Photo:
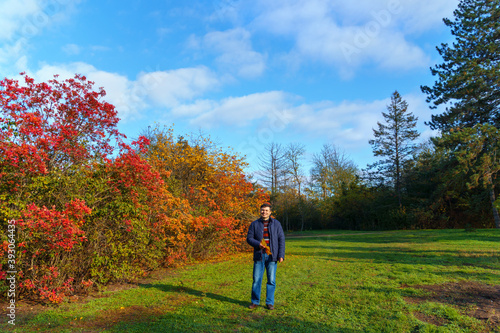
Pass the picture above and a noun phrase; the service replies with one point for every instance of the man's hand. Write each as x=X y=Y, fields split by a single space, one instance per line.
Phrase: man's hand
x=262 y=246
x=280 y=260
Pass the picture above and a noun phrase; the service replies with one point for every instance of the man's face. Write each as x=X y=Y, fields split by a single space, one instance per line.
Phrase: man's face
x=265 y=212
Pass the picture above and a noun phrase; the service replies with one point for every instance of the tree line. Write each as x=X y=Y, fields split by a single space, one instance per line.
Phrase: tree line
x=448 y=182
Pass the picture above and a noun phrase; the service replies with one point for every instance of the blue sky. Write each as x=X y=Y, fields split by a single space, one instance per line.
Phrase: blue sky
x=245 y=72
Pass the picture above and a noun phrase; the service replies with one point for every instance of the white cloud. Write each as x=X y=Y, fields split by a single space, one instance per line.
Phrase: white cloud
x=348 y=124
x=10 y=53
x=162 y=88
x=16 y=18
x=226 y=10
x=192 y=110
x=347 y=34
x=411 y=15
x=15 y=30
x=170 y=88
x=234 y=52
x=22 y=20
x=425 y=15
x=393 y=51
x=236 y=111
x=28 y=18
x=71 y=49
x=47 y=72
x=119 y=90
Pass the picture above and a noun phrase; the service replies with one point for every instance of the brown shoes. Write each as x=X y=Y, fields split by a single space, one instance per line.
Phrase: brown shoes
x=270 y=306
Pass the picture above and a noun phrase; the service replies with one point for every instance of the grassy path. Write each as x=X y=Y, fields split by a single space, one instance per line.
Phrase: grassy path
x=350 y=282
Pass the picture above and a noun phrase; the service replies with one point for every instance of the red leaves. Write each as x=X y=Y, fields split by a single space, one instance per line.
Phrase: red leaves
x=142 y=144
x=46 y=287
x=48 y=234
x=55 y=124
x=57 y=230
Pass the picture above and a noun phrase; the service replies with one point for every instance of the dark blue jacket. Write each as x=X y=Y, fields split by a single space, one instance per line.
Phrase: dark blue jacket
x=276 y=239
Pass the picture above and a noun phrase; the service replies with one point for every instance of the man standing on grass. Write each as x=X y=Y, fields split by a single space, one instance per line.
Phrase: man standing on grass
x=268 y=229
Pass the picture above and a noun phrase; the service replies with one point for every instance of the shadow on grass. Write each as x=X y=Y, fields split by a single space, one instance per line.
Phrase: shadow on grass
x=193 y=292
x=393 y=255
x=246 y=321
x=424 y=247
x=193 y=318
x=181 y=318
x=418 y=236
x=386 y=252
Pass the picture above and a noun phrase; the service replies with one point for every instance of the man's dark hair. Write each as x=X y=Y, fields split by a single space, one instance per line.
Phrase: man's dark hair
x=266 y=204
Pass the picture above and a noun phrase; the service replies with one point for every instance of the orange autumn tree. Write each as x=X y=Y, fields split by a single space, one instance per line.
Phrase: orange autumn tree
x=222 y=201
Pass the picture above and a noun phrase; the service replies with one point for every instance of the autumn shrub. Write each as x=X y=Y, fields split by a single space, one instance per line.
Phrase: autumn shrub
x=139 y=221
x=48 y=133
x=221 y=200
x=83 y=215
x=45 y=257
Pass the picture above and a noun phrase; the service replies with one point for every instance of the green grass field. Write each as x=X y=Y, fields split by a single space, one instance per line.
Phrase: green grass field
x=405 y=281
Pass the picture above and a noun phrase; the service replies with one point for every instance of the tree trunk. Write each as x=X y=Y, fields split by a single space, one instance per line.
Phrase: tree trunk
x=496 y=217
x=301 y=212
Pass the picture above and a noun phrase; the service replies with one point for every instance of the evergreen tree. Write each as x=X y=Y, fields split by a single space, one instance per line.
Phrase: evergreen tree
x=468 y=84
x=468 y=81
x=394 y=141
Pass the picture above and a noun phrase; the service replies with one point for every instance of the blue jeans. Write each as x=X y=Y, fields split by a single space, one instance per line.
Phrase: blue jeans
x=258 y=272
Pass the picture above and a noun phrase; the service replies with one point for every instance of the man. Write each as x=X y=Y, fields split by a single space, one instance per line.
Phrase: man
x=268 y=229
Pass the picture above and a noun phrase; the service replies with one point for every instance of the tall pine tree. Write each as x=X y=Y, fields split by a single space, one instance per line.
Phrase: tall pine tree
x=468 y=81
x=395 y=141
x=468 y=85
